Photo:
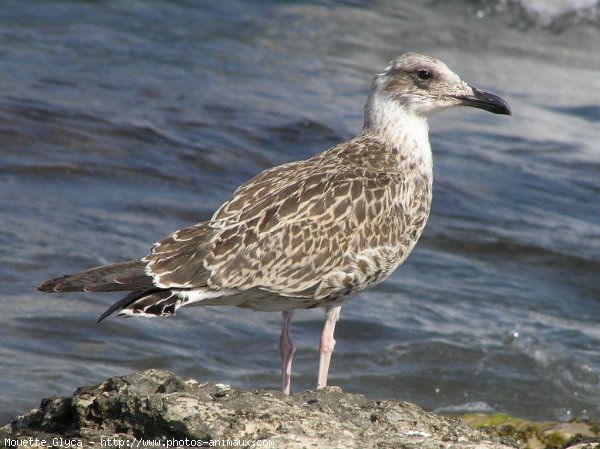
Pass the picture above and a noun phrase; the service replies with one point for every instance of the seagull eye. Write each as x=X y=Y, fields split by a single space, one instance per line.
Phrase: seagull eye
x=423 y=74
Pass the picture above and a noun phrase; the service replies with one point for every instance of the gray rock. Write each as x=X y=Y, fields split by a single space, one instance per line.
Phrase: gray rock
x=158 y=405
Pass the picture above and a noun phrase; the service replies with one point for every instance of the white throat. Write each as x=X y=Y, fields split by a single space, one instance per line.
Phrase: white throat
x=397 y=126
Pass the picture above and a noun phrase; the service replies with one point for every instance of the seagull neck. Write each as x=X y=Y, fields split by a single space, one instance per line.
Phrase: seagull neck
x=396 y=127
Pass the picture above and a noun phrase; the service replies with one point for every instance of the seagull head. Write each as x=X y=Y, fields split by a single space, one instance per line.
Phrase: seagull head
x=422 y=85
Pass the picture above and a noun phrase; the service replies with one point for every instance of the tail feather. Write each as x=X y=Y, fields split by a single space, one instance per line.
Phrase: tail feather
x=117 y=276
x=154 y=302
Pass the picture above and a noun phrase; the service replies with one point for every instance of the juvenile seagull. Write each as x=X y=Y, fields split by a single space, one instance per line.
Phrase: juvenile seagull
x=310 y=233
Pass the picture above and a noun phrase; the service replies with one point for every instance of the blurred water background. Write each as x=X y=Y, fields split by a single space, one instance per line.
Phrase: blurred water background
x=121 y=121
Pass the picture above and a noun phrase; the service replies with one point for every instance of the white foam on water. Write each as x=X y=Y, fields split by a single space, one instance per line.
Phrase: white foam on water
x=547 y=12
x=467 y=407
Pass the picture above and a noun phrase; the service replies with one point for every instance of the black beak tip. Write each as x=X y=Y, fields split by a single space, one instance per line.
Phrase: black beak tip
x=488 y=102
x=497 y=104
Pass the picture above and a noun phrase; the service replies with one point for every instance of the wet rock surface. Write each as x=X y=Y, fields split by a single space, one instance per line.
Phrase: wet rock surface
x=158 y=406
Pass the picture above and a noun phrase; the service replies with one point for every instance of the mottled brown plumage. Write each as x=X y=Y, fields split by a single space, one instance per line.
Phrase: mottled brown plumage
x=315 y=230
x=309 y=233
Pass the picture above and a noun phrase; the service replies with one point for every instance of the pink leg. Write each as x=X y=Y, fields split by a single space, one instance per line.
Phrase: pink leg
x=286 y=352
x=327 y=344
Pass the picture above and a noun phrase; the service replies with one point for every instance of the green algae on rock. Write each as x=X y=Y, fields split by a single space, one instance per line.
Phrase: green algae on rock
x=580 y=434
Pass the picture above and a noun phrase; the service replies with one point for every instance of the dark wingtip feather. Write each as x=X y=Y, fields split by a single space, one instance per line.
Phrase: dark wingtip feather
x=131 y=297
x=108 y=312
x=120 y=304
x=153 y=302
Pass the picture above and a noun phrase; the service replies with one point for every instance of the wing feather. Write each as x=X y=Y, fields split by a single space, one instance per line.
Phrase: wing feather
x=312 y=228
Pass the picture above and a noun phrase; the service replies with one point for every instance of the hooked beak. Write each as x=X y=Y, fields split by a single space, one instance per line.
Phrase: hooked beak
x=486 y=101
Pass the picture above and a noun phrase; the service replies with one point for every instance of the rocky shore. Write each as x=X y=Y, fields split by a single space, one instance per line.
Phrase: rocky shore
x=157 y=408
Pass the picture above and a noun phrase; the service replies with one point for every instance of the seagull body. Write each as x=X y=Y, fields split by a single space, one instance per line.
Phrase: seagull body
x=310 y=233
